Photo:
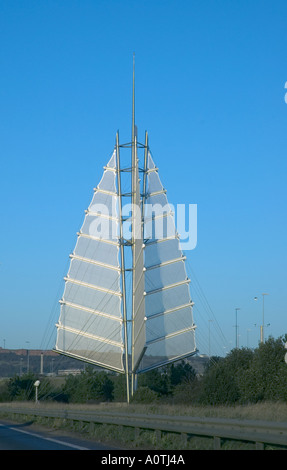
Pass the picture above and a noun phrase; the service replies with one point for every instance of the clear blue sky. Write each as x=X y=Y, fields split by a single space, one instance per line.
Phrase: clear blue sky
x=210 y=79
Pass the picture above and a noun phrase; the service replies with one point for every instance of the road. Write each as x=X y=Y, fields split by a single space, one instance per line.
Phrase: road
x=14 y=436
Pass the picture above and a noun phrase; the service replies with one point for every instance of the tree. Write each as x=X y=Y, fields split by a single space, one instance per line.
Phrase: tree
x=22 y=388
x=220 y=382
x=180 y=373
x=266 y=378
x=102 y=387
x=156 y=380
x=144 y=395
x=89 y=386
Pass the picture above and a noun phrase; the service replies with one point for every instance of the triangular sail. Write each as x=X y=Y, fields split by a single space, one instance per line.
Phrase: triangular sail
x=138 y=336
x=94 y=323
x=90 y=323
x=170 y=330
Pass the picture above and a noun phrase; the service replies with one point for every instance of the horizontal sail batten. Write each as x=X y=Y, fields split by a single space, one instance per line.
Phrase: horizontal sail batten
x=89 y=335
x=105 y=191
x=158 y=216
x=165 y=263
x=175 y=333
x=149 y=241
x=97 y=263
x=98 y=239
x=88 y=360
x=91 y=286
x=165 y=362
x=155 y=193
x=90 y=310
x=100 y=214
x=171 y=310
x=155 y=291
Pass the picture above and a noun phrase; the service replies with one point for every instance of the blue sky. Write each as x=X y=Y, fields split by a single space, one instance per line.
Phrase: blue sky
x=210 y=79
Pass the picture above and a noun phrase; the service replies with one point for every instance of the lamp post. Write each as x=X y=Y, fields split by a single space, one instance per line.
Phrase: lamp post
x=236 y=328
x=36 y=385
x=209 y=337
x=27 y=342
x=262 y=326
x=263 y=295
x=247 y=332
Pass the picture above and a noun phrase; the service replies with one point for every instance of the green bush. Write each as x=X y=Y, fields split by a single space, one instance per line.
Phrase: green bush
x=22 y=388
x=266 y=378
x=89 y=386
x=144 y=395
x=243 y=376
x=247 y=376
x=4 y=392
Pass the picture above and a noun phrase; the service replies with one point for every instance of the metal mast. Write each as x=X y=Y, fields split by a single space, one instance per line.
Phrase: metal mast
x=123 y=268
x=134 y=182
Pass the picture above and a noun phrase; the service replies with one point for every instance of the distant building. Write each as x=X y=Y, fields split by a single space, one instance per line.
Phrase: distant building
x=70 y=371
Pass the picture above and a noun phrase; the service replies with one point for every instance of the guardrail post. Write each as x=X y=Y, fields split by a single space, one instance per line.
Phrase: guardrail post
x=184 y=439
x=158 y=435
x=92 y=428
x=216 y=443
x=137 y=433
x=259 y=446
x=120 y=429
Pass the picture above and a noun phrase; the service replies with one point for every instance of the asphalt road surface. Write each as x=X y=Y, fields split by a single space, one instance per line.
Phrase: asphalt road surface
x=14 y=436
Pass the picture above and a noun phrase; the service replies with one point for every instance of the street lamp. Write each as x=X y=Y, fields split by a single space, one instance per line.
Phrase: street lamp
x=27 y=342
x=209 y=337
x=236 y=328
x=248 y=331
x=262 y=326
x=36 y=384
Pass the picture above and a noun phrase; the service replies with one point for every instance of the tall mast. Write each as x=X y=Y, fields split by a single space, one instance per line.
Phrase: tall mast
x=123 y=268
x=133 y=173
x=133 y=109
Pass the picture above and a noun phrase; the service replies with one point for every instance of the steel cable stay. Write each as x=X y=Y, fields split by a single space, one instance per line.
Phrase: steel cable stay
x=221 y=341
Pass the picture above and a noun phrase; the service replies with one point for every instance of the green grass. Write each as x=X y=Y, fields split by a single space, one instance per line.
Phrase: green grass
x=269 y=411
x=127 y=438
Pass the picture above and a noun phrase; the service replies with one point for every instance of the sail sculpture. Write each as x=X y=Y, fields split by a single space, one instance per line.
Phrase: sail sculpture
x=97 y=323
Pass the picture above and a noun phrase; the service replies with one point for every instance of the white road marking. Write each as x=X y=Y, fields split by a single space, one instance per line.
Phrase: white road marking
x=74 y=446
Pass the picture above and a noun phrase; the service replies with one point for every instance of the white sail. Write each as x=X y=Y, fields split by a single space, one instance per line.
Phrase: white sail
x=170 y=330
x=96 y=310
x=138 y=310
x=90 y=323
